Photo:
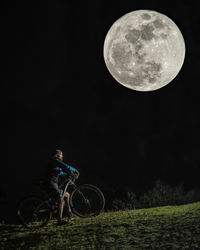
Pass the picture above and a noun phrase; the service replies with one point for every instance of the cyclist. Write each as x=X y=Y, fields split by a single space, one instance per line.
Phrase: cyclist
x=55 y=168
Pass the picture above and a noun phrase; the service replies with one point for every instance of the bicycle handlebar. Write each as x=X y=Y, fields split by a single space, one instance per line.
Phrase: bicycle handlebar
x=72 y=178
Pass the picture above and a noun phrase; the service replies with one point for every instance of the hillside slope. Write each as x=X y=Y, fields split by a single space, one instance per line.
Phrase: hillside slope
x=169 y=227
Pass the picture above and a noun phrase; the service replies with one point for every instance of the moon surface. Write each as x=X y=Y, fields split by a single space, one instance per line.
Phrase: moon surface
x=144 y=50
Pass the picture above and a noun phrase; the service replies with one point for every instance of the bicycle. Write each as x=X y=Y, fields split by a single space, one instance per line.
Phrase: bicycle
x=85 y=201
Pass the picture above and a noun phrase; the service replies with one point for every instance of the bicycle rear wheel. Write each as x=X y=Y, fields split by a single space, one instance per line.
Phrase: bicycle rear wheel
x=33 y=212
x=87 y=200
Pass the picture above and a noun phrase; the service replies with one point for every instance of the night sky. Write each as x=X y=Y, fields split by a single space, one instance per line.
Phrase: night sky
x=59 y=94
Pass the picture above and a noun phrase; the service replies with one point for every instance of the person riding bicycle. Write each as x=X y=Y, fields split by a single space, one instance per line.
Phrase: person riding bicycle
x=55 y=168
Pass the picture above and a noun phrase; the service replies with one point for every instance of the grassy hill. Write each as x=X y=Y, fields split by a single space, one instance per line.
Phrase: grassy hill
x=169 y=227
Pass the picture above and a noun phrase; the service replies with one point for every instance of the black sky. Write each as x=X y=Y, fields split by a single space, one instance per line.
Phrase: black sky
x=61 y=95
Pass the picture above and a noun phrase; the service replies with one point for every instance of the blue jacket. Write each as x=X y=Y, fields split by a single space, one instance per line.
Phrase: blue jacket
x=52 y=171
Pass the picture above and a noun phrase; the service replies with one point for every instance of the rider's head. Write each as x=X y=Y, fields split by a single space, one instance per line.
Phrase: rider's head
x=58 y=154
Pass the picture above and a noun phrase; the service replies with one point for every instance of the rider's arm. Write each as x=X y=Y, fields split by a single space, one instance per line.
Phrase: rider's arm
x=67 y=167
x=59 y=170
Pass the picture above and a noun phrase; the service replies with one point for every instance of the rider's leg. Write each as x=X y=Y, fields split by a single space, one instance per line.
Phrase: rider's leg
x=60 y=210
x=67 y=196
x=57 y=194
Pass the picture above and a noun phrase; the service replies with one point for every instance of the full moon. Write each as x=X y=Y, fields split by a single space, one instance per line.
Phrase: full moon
x=144 y=50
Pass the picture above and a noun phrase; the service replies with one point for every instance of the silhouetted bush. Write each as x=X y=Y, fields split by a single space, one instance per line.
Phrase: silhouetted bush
x=160 y=195
x=129 y=202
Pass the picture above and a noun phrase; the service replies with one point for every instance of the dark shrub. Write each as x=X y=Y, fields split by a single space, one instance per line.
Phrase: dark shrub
x=160 y=195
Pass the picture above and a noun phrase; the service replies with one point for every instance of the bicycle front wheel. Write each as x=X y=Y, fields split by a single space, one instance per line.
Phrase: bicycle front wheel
x=33 y=212
x=87 y=200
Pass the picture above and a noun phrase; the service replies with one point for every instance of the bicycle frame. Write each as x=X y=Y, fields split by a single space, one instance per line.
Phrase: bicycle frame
x=68 y=181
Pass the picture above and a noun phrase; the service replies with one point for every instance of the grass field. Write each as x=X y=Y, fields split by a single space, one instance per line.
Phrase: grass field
x=169 y=227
